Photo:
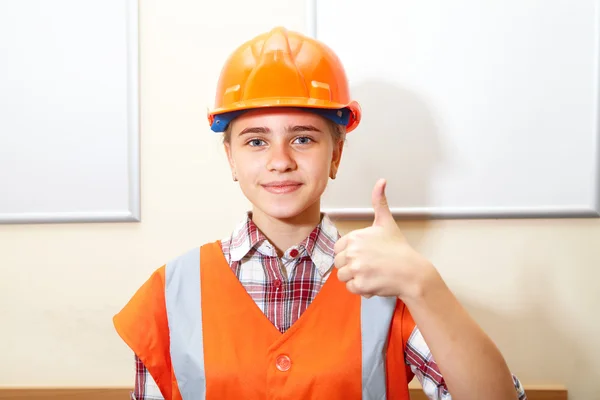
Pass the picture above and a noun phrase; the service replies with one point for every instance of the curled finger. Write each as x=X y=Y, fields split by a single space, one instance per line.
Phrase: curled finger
x=340 y=260
x=345 y=274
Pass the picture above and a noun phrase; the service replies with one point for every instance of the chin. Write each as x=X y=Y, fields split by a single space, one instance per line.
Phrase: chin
x=291 y=208
x=283 y=211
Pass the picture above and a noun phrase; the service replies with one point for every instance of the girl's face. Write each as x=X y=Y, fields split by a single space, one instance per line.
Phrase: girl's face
x=283 y=159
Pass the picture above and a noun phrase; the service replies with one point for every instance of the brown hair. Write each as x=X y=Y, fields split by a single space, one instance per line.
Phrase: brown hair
x=338 y=132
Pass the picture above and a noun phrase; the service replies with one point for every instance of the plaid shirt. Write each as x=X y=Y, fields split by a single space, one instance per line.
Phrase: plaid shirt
x=284 y=287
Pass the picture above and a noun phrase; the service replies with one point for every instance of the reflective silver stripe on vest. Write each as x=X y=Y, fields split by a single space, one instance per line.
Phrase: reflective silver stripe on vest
x=182 y=295
x=375 y=317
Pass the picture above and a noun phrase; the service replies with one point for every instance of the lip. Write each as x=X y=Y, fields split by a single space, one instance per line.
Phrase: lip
x=282 y=187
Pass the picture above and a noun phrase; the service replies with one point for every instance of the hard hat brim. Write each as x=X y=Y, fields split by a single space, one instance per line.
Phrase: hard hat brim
x=293 y=102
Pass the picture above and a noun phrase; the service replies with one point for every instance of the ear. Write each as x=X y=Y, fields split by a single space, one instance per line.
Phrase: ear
x=230 y=159
x=336 y=158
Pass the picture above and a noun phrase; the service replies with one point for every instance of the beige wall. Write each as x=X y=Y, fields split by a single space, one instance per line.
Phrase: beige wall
x=532 y=284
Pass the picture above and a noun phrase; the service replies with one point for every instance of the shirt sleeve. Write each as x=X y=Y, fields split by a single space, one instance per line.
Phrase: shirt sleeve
x=418 y=357
x=145 y=388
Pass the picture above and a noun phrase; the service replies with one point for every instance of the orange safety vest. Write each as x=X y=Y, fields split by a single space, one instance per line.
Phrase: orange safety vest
x=201 y=336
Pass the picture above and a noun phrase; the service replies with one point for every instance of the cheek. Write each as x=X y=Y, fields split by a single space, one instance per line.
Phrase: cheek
x=247 y=166
x=318 y=167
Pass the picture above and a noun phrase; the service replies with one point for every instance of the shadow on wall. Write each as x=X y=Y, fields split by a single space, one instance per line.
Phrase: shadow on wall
x=397 y=140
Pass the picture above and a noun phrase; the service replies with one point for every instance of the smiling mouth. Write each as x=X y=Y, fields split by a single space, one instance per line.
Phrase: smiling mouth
x=282 y=187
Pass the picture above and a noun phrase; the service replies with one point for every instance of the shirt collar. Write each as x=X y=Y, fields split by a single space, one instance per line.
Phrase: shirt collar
x=318 y=245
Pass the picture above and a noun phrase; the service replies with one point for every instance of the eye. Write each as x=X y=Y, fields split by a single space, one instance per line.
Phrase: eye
x=303 y=140
x=255 y=142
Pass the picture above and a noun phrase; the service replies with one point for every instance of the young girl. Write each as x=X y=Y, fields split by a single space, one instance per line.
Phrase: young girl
x=346 y=318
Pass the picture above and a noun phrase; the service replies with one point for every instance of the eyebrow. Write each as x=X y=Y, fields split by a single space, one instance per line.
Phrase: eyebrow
x=303 y=128
x=292 y=128
x=255 y=129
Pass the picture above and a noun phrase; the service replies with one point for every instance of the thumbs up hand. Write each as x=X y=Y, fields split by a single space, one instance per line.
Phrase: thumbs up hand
x=378 y=260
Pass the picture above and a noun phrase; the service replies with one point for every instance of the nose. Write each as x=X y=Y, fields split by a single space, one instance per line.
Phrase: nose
x=281 y=158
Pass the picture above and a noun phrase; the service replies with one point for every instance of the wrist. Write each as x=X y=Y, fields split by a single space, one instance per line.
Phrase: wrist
x=425 y=288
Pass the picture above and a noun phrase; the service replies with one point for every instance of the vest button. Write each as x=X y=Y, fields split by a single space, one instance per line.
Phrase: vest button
x=283 y=363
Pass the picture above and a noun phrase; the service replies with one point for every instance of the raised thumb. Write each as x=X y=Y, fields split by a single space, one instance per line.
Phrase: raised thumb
x=383 y=215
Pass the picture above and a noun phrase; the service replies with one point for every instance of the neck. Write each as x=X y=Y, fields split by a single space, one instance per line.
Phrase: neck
x=288 y=232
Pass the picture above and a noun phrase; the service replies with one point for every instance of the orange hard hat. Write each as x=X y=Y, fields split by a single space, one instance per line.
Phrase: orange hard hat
x=282 y=68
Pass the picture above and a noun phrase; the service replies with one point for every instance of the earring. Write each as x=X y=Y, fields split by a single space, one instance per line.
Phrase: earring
x=235 y=178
